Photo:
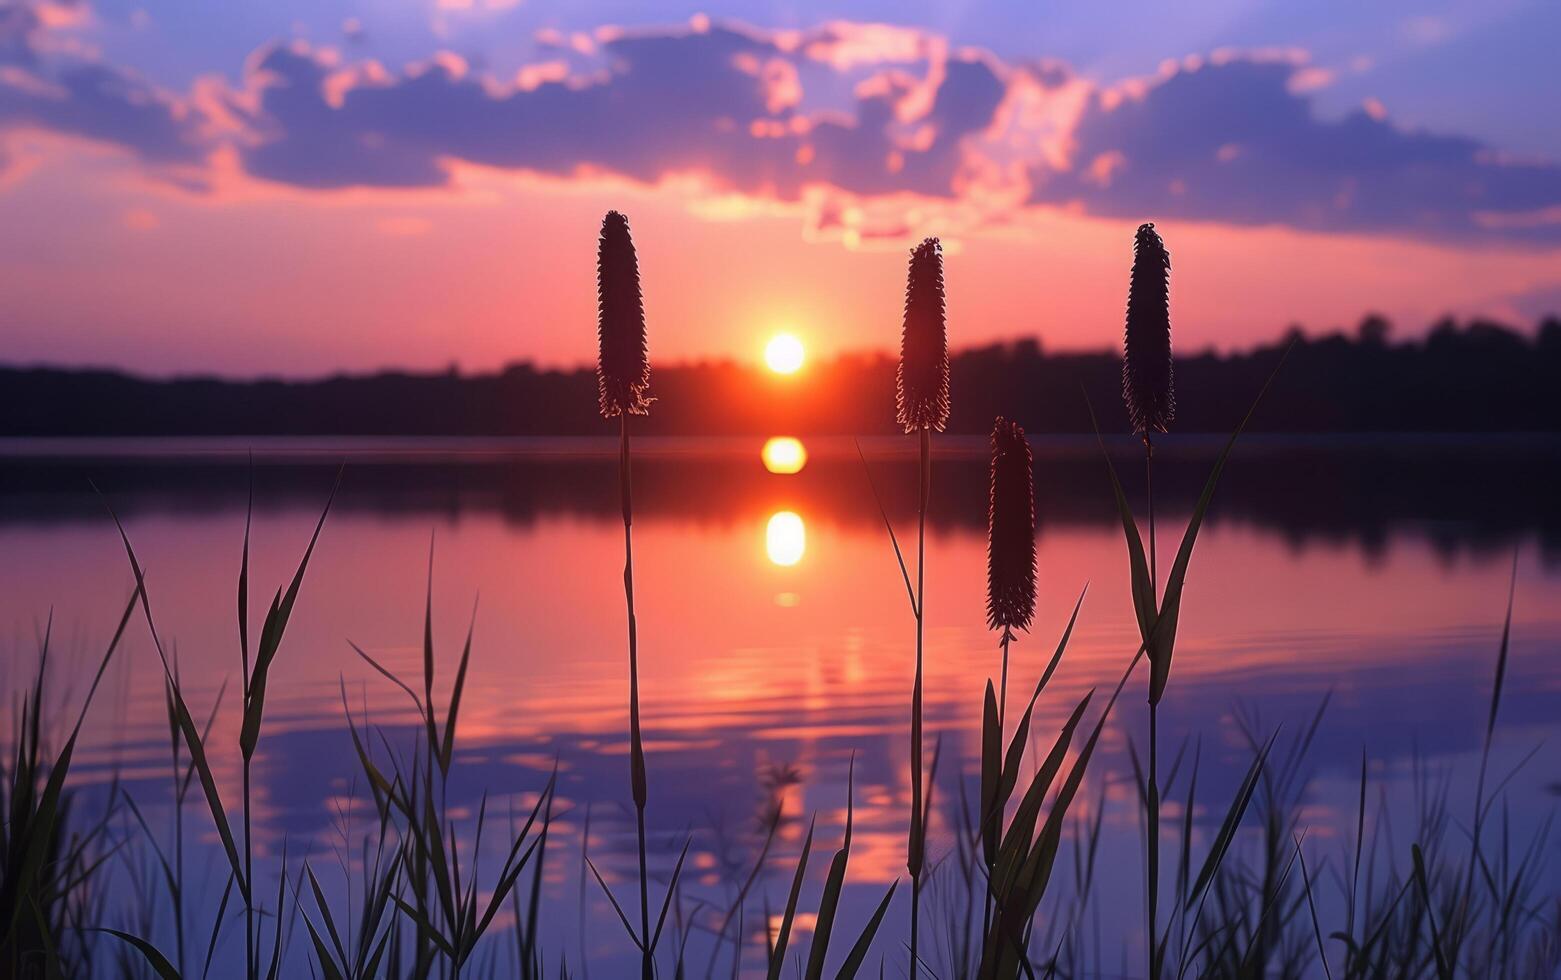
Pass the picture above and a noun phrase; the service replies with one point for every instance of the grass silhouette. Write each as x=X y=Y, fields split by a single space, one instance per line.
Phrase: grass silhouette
x=922 y=403
x=1148 y=391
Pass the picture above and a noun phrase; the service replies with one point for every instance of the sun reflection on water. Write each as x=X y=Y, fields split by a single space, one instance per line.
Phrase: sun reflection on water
x=784 y=454
x=785 y=538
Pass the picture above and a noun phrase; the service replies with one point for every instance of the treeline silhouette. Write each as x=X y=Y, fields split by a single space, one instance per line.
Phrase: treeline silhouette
x=1478 y=377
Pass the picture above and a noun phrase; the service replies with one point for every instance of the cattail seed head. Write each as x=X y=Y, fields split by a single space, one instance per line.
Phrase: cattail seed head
x=1010 y=566
x=1148 y=384
x=622 y=373
x=922 y=395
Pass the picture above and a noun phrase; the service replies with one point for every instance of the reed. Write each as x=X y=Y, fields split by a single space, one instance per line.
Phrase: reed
x=1148 y=378
x=1149 y=393
x=47 y=863
x=171 y=862
x=828 y=908
x=623 y=383
x=1010 y=592
x=922 y=400
x=426 y=878
x=255 y=676
x=1010 y=566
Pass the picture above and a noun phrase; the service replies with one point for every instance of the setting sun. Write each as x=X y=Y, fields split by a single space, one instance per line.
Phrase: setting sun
x=784 y=354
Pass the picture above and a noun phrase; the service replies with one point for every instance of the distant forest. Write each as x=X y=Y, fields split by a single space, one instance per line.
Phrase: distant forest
x=1475 y=377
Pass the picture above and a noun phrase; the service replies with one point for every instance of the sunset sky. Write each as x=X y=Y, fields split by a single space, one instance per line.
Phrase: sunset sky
x=303 y=186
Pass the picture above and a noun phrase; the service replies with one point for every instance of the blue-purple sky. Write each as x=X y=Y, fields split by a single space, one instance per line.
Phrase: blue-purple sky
x=301 y=187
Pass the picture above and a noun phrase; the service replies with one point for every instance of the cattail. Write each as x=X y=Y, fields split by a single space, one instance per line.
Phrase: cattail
x=622 y=374
x=1148 y=386
x=923 y=383
x=1010 y=568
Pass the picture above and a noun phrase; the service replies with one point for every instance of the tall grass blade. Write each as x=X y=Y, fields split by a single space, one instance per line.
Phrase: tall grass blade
x=1145 y=602
x=991 y=773
x=864 y=942
x=1171 y=604
x=37 y=831
x=192 y=737
x=271 y=635
x=243 y=584
x=829 y=902
x=216 y=926
x=1311 y=905
x=1228 y=827
x=322 y=956
x=789 y=915
x=447 y=749
x=154 y=959
x=899 y=556
x=325 y=916
x=1444 y=970
x=672 y=888
x=428 y=657
x=276 y=946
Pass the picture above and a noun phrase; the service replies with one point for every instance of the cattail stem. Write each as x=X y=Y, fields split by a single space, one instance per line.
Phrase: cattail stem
x=1002 y=706
x=1153 y=839
x=1153 y=889
x=636 y=746
x=1002 y=688
x=1154 y=575
x=918 y=832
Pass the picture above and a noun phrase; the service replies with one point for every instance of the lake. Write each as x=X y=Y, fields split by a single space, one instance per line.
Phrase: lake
x=776 y=651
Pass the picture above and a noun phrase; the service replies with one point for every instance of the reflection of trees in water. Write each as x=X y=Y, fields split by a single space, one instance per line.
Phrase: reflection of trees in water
x=1461 y=495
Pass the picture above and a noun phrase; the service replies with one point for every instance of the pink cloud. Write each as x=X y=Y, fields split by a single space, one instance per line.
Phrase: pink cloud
x=1226 y=136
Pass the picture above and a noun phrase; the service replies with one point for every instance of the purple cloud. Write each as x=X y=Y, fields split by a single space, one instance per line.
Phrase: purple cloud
x=869 y=115
x=700 y=101
x=18 y=23
x=81 y=98
x=1235 y=142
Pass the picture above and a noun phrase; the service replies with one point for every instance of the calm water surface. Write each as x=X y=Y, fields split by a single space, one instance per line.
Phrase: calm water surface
x=776 y=641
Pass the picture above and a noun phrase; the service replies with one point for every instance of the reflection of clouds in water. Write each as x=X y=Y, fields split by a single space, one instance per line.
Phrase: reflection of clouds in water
x=785 y=538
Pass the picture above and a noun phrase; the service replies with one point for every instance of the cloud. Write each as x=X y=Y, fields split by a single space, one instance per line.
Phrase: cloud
x=720 y=103
x=18 y=24
x=104 y=105
x=76 y=96
x=1234 y=141
x=876 y=130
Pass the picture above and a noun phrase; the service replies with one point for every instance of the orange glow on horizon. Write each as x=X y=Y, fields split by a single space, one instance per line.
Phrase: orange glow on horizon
x=456 y=257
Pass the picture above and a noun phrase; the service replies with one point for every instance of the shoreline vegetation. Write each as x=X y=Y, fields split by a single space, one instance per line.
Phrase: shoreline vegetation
x=1479 y=376
x=415 y=893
